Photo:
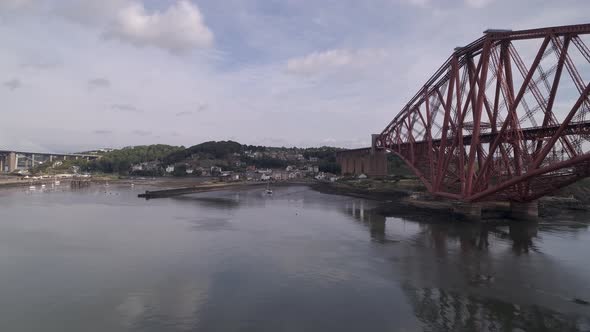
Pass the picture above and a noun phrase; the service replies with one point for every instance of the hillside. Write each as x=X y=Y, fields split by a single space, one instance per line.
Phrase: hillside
x=153 y=160
x=116 y=161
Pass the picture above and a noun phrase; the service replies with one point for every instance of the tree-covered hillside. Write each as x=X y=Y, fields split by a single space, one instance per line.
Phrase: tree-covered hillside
x=211 y=149
x=116 y=161
x=229 y=155
x=120 y=161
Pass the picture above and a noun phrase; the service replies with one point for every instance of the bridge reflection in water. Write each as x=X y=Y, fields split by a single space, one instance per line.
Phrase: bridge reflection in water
x=440 y=310
x=469 y=236
x=477 y=276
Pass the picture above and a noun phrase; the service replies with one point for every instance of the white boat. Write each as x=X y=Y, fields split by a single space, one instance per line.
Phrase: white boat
x=57 y=183
x=268 y=191
x=32 y=187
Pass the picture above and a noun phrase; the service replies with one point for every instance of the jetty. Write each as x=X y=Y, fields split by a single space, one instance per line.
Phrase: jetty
x=150 y=194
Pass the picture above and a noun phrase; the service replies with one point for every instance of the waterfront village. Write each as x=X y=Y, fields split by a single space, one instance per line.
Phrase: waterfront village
x=224 y=161
x=299 y=167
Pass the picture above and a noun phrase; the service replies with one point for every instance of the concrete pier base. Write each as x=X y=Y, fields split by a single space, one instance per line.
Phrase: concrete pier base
x=524 y=211
x=467 y=211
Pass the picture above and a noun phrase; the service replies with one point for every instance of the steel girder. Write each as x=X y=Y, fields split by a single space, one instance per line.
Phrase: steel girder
x=487 y=125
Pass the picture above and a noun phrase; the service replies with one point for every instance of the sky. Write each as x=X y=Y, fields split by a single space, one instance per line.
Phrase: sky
x=83 y=74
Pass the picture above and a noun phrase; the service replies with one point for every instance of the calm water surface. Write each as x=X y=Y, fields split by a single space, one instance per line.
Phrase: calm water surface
x=100 y=259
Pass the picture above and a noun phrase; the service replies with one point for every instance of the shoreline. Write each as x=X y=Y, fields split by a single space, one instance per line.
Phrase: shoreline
x=398 y=197
x=22 y=182
x=401 y=201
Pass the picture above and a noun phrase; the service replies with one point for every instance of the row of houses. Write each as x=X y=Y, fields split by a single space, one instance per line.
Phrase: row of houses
x=267 y=175
x=249 y=173
x=281 y=155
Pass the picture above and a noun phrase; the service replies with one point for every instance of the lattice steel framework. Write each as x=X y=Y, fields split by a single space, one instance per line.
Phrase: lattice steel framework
x=505 y=117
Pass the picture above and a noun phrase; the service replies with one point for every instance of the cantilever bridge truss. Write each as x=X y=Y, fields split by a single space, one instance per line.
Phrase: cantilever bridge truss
x=505 y=117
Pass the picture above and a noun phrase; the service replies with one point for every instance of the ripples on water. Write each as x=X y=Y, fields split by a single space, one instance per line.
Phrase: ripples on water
x=100 y=259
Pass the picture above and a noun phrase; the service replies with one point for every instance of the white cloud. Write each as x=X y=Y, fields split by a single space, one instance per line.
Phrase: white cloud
x=321 y=61
x=478 y=3
x=14 y=4
x=99 y=82
x=89 y=12
x=419 y=3
x=429 y=3
x=125 y=108
x=39 y=64
x=13 y=84
x=177 y=29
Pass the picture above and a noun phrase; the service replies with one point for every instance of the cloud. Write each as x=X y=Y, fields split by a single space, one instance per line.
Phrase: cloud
x=125 y=108
x=418 y=3
x=88 y=12
x=102 y=132
x=96 y=83
x=202 y=108
x=13 y=84
x=478 y=3
x=14 y=4
x=317 y=62
x=140 y=132
x=177 y=29
x=39 y=65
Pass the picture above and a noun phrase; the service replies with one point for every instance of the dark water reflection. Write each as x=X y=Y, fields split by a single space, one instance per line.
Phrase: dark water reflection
x=102 y=260
x=488 y=277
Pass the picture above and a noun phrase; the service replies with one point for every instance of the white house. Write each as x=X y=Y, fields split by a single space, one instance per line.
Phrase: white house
x=320 y=176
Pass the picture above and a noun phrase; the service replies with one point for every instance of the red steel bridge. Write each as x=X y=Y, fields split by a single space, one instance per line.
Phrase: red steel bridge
x=504 y=118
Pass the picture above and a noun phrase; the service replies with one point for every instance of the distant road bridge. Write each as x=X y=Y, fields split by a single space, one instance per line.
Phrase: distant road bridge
x=11 y=160
x=504 y=118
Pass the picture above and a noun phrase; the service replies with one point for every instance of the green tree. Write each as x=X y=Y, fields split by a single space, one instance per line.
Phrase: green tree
x=179 y=170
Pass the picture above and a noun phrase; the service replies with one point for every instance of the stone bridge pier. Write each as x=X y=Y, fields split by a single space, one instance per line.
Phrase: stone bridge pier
x=369 y=161
x=528 y=211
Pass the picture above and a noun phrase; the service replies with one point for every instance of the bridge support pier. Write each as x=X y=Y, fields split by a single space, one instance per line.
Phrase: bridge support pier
x=368 y=161
x=467 y=211
x=524 y=210
x=12 y=161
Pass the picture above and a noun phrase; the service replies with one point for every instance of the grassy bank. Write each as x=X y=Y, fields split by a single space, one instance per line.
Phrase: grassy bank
x=385 y=188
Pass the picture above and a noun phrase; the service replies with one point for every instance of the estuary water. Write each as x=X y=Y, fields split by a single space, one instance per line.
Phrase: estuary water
x=101 y=259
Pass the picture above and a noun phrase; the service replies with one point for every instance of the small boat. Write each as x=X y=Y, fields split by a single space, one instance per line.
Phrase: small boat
x=268 y=191
x=57 y=183
x=32 y=187
x=43 y=186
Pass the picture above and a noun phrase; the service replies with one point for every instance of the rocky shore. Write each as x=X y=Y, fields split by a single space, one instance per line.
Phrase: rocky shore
x=409 y=196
